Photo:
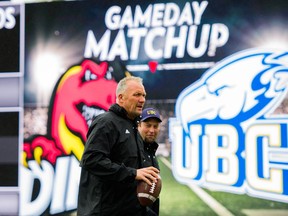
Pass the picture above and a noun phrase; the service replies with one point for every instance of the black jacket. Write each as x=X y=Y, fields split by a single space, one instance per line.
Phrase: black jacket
x=150 y=155
x=150 y=159
x=113 y=152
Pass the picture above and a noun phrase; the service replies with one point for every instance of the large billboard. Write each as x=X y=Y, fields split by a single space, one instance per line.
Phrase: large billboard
x=221 y=65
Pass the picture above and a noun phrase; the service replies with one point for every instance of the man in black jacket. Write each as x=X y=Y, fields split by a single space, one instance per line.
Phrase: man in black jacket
x=113 y=157
x=149 y=128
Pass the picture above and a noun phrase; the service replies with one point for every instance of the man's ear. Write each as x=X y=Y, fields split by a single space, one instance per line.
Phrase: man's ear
x=120 y=97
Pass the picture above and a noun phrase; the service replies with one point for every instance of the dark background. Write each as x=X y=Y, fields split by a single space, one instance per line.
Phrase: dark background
x=9 y=149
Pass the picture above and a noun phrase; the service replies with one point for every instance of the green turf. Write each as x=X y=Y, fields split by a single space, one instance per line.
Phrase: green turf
x=235 y=203
x=179 y=200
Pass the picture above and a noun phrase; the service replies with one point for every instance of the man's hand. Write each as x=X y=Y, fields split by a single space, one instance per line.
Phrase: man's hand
x=148 y=174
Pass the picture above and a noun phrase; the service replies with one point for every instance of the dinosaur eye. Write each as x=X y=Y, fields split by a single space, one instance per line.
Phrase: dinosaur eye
x=89 y=75
x=92 y=76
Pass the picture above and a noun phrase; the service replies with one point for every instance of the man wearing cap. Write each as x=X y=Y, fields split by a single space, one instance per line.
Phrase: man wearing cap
x=149 y=127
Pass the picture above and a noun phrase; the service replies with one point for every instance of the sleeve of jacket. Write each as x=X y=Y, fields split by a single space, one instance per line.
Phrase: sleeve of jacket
x=96 y=156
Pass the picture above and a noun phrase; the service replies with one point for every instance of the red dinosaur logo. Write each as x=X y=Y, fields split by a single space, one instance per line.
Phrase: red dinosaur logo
x=81 y=93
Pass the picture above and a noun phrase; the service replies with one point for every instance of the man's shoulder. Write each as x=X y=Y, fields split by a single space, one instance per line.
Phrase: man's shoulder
x=103 y=121
x=109 y=117
x=104 y=118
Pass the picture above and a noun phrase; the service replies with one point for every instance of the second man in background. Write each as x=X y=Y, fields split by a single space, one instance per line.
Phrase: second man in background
x=149 y=128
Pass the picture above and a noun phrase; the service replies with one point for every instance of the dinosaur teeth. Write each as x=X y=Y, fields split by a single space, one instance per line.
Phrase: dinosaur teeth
x=89 y=112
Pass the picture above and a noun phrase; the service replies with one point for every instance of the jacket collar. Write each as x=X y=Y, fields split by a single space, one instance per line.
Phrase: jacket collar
x=116 y=108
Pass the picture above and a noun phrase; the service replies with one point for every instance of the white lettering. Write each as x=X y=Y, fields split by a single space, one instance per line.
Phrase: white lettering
x=157 y=18
x=156 y=15
x=94 y=49
x=59 y=188
x=191 y=43
x=7 y=19
x=186 y=16
x=223 y=166
x=45 y=174
x=172 y=41
x=188 y=167
x=219 y=37
x=136 y=35
x=73 y=184
x=148 y=44
x=266 y=136
x=171 y=14
x=127 y=19
x=11 y=21
x=112 y=17
x=198 y=11
x=143 y=18
x=119 y=47
x=160 y=41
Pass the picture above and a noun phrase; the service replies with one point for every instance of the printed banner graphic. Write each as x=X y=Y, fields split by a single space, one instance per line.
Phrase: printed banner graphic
x=226 y=136
x=219 y=78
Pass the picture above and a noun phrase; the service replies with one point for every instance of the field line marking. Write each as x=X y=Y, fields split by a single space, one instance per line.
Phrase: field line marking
x=166 y=162
x=205 y=197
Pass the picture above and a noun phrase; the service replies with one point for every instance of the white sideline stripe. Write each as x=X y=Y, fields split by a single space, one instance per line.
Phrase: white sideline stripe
x=265 y=212
x=210 y=201
x=205 y=197
x=166 y=162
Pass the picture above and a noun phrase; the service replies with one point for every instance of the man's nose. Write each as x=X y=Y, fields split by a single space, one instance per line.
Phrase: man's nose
x=142 y=99
x=152 y=130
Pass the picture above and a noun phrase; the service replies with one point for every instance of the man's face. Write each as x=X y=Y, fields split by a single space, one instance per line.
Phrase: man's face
x=149 y=129
x=133 y=99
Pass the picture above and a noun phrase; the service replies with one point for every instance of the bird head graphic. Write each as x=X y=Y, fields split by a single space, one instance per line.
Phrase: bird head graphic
x=247 y=85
